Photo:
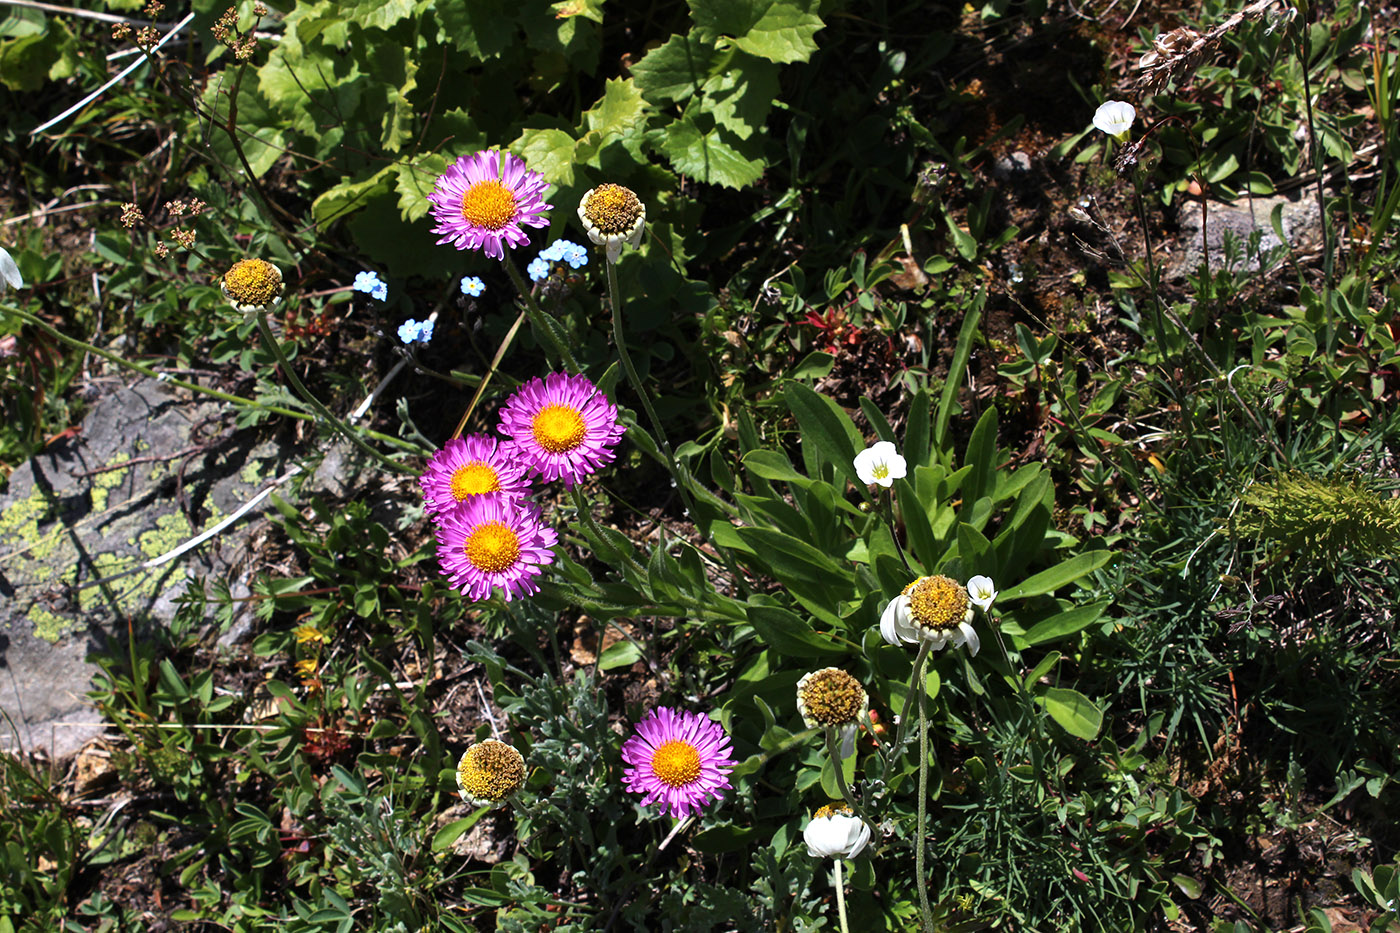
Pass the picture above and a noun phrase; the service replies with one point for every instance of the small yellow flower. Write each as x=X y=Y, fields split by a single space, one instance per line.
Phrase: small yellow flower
x=253 y=285
x=306 y=668
x=613 y=215
x=307 y=634
x=489 y=772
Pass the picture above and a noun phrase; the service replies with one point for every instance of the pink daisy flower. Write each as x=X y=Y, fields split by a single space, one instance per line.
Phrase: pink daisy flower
x=476 y=206
x=561 y=427
x=468 y=467
x=494 y=541
x=678 y=758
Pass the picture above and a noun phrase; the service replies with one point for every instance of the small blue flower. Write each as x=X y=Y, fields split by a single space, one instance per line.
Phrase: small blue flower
x=554 y=252
x=472 y=286
x=380 y=291
x=412 y=331
x=538 y=269
x=368 y=282
x=576 y=256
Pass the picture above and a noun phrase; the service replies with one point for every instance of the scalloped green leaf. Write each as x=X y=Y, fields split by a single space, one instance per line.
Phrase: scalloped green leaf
x=707 y=156
x=674 y=70
x=778 y=30
x=549 y=152
x=619 y=111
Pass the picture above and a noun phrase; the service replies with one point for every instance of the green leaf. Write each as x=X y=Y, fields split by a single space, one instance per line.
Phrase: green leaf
x=619 y=654
x=792 y=560
x=549 y=152
x=788 y=633
x=674 y=70
x=1075 y=712
x=482 y=28
x=1064 y=624
x=349 y=196
x=707 y=155
x=619 y=111
x=740 y=97
x=380 y=14
x=773 y=464
x=778 y=30
x=826 y=428
x=1047 y=581
x=416 y=181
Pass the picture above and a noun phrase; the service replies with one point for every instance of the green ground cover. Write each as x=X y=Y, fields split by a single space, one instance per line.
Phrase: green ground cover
x=1114 y=613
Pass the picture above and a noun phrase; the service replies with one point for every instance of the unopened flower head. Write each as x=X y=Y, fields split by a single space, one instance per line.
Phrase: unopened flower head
x=936 y=609
x=468 y=467
x=830 y=697
x=880 y=463
x=678 y=759
x=835 y=832
x=494 y=542
x=561 y=427
x=489 y=772
x=482 y=201
x=253 y=285
x=613 y=215
x=1115 y=117
x=982 y=592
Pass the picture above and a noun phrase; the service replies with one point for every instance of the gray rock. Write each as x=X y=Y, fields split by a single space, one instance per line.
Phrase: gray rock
x=76 y=527
x=1298 y=218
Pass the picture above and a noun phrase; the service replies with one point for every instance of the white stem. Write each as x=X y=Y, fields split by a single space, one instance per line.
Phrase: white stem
x=840 y=898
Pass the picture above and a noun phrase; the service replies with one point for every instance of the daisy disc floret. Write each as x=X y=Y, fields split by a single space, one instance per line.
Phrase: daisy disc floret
x=482 y=201
x=494 y=542
x=936 y=609
x=880 y=463
x=613 y=215
x=561 y=427
x=252 y=285
x=1115 y=117
x=830 y=697
x=468 y=467
x=835 y=832
x=678 y=759
x=489 y=772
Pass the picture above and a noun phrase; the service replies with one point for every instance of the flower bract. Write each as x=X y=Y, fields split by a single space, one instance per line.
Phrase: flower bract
x=468 y=467
x=482 y=201
x=936 y=609
x=561 y=427
x=494 y=542
x=613 y=215
x=252 y=285
x=678 y=759
x=835 y=832
x=489 y=772
x=880 y=463
x=1115 y=117
x=9 y=272
x=982 y=592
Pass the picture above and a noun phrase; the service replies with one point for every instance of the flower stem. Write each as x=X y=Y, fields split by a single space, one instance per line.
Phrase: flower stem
x=837 y=763
x=920 y=880
x=537 y=319
x=315 y=403
x=495 y=360
x=840 y=886
x=901 y=728
x=681 y=475
x=887 y=508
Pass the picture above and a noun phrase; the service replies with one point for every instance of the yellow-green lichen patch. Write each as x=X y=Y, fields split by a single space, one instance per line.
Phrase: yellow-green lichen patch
x=48 y=625
x=109 y=564
x=170 y=532
x=104 y=483
x=19 y=527
x=250 y=473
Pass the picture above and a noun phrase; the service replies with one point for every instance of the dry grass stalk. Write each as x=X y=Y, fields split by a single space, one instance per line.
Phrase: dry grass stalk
x=1176 y=54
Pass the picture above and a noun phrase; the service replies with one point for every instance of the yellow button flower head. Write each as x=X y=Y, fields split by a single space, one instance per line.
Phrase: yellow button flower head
x=489 y=772
x=613 y=215
x=936 y=609
x=253 y=285
x=832 y=698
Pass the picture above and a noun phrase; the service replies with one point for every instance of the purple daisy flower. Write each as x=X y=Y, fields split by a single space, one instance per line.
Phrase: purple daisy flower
x=494 y=541
x=468 y=467
x=561 y=427
x=477 y=206
x=680 y=759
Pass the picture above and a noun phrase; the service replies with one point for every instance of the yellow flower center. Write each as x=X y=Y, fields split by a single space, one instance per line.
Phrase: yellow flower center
x=253 y=282
x=831 y=810
x=473 y=479
x=676 y=763
x=491 y=770
x=559 y=428
x=938 y=602
x=488 y=204
x=881 y=470
x=613 y=209
x=493 y=547
x=831 y=697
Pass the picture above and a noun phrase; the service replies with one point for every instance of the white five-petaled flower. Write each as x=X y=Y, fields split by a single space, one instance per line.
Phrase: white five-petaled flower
x=834 y=832
x=936 y=609
x=1115 y=117
x=880 y=463
x=982 y=592
x=9 y=272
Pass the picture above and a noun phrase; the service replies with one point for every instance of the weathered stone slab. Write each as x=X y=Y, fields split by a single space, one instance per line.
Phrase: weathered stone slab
x=149 y=470
x=1298 y=217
